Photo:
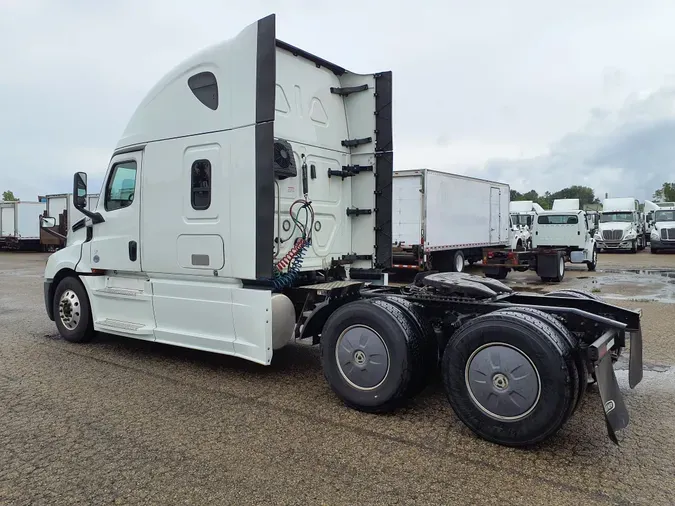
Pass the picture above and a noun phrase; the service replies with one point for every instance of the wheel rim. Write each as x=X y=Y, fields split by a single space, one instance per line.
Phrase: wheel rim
x=502 y=381
x=561 y=266
x=69 y=309
x=459 y=263
x=362 y=357
x=595 y=256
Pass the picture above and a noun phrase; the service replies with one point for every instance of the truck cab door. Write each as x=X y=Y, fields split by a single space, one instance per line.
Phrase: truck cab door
x=115 y=242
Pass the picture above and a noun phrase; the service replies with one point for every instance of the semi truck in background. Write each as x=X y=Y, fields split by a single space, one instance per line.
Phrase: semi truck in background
x=663 y=228
x=278 y=166
x=523 y=213
x=649 y=209
x=20 y=225
x=441 y=220
x=621 y=225
x=61 y=207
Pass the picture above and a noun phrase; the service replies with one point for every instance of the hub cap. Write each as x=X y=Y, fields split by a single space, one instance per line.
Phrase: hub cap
x=69 y=309
x=459 y=263
x=502 y=381
x=561 y=266
x=362 y=357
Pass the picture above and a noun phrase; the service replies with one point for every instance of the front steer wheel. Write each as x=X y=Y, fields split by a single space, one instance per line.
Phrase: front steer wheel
x=72 y=312
x=511 y=378
x=373 y=355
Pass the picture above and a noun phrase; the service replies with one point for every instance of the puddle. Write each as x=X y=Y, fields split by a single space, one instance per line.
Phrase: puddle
x=637 y=285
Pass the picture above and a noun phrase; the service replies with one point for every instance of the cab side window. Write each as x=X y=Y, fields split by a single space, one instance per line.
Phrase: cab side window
x=121 y=186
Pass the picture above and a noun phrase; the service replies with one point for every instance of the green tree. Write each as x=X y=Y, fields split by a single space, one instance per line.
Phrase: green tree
x=666 y=193
x=8 y=196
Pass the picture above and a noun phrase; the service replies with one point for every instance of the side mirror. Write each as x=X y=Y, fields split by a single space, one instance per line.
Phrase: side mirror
x=80 y=190
x=47 y=222
x=529 y=221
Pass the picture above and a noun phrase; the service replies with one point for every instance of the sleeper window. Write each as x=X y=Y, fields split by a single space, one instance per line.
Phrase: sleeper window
x=200 y=185
x=205 y=88
x=121 y=186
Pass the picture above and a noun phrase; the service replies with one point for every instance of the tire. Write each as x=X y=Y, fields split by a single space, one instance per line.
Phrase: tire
x=594 y=260
x=390 y=334
x=428 y=340
x=561 y=270
x=633 y=247
x=501 y=273
x=573 y=294
x=458 y=261
x=519 y=245
x=653 y=250
x=533 y=346
x=72 y=311
x=580 y=367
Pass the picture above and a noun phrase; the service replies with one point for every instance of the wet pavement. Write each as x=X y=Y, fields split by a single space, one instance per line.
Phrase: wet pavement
x=130 y=422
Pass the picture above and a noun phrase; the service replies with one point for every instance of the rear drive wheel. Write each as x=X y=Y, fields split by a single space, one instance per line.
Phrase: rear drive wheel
x=510 y=378
x=579 y=366
x=594 y=260
x=458 y=261
x=426 y=337
x=560 y=275
x=72 y=312
x=371 y=355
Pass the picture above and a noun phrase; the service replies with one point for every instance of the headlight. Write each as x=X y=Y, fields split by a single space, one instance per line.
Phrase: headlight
x=597 y=237
x=630 y=235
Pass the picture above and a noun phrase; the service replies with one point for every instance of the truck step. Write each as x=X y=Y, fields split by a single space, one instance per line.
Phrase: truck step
x=110 y=291
x=112 y=325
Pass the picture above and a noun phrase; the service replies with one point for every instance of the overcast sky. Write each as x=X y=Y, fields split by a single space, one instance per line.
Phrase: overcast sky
x=536 y=94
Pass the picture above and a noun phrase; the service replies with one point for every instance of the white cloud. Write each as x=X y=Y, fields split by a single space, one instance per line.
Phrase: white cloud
x=473 y=81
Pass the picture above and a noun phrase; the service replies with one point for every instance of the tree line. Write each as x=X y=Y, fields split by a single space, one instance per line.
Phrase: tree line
x=585 y=195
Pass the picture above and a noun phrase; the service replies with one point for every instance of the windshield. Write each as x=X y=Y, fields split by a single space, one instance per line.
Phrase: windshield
x=519 y=219
x=610 y=217
x=560 y=219
x=664 y=216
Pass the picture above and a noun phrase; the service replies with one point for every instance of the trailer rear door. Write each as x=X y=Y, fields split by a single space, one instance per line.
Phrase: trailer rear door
x=408 y=193
x=495 y=214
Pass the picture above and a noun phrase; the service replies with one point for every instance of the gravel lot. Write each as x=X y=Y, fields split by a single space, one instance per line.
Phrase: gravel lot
x=124 y=421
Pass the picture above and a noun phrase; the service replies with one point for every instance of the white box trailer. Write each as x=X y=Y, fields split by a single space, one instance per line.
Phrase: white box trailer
x=61 y=207
x=440 y=220
x=20 y=224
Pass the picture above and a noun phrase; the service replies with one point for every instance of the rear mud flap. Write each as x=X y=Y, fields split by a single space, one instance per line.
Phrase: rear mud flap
x=614 y=407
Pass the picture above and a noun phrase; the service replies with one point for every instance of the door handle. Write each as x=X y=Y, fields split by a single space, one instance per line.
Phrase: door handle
x=133 y=249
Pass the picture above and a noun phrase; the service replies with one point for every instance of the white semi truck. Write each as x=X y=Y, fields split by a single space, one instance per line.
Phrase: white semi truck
x=441 y=220
x=558 y=236
x=523 y=214
x=278 y=165
x=622 y=226
x=19 y=224
x=663 y=231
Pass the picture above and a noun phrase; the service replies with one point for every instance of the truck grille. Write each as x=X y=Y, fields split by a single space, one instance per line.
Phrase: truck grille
x=612 y=235
x=668 y=234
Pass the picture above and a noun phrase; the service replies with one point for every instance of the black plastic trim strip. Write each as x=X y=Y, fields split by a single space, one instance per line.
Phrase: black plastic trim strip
x=78 y=224
x=319 y=62
x=264 y=146
x=384 y=169
x=129 y=149
x=348 y=90
x=351 y=143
